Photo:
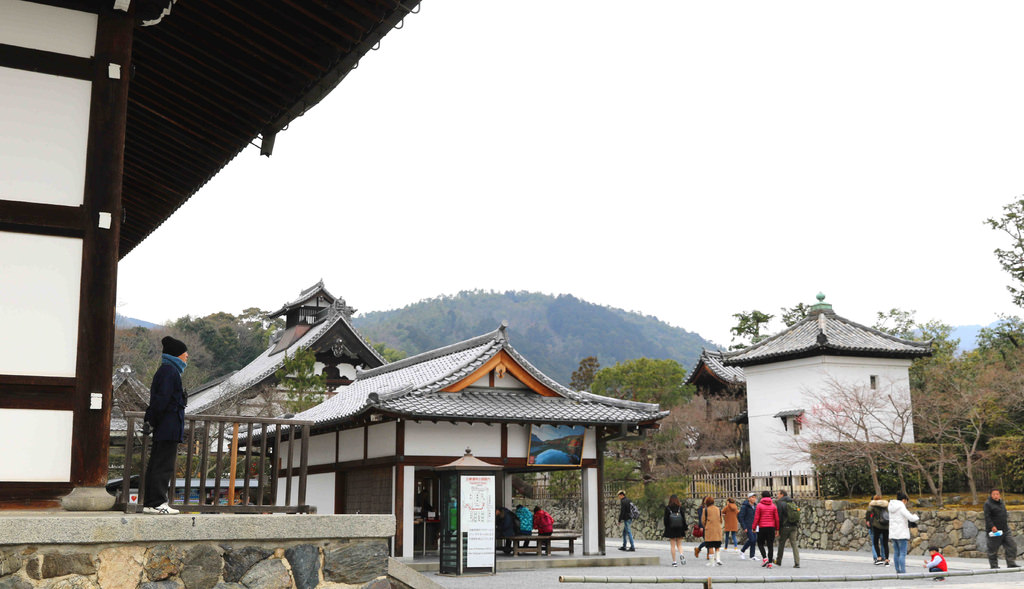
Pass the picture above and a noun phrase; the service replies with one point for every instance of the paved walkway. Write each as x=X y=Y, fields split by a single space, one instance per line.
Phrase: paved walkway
x=812 y=562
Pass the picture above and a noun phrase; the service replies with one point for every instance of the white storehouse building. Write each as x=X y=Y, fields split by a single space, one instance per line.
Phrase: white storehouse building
x=796 y=379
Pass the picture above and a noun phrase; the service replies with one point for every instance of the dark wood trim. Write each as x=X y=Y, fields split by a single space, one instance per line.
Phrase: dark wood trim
x=428 y=461
x=399 y=482
x=400 y=439
x=27 y=398
x=601 y=446
x=42 y=219
x=32 y=495
x=366 y=442
x=56 y=382
x=340 y=480
x=103 y=182
x=504 y=443
x=47 y=62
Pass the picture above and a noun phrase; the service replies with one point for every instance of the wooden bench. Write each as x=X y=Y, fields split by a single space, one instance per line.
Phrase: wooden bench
x=545 y=541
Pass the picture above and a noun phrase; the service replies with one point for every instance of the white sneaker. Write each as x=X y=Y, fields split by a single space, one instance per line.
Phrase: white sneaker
x=718 y=563
x=682 y=560
x=743 y=556
x=164 y=509
x=675 y=564
x=710 y=564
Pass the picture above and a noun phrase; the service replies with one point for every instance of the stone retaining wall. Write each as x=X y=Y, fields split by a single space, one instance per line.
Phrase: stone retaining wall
x=112 y=551
x=264 y=565
x=839 y=525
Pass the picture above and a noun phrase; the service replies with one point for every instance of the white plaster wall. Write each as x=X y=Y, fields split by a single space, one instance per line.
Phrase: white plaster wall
x=346 y=371
x=321 y=449
x=40 y=280
x=448 y=439
x=408 y=511
x=350 y=445
x=44 y=132
x=506 y=382
x=37 y=445
x=319 y=492
x=780 y=386
x=590 y=444
x=591 y=505
x=35 y=26
x=518 y=441
x=381 y=440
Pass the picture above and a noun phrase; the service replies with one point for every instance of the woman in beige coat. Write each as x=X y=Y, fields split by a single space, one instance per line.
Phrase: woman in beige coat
x=712 y=523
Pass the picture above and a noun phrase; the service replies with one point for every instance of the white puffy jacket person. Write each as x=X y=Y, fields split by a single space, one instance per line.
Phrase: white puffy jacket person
x=899 y=530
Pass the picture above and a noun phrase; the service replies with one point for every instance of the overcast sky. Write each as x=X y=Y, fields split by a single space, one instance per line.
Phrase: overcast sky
x=686 y=160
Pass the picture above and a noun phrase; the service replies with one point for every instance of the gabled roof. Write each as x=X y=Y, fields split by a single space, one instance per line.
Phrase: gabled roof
x=305 y=296
x=823 y=333
x=262 y=369
x=437 y=385
x=710 y=362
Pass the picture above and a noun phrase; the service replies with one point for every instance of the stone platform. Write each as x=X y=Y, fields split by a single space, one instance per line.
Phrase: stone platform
x=199 y=551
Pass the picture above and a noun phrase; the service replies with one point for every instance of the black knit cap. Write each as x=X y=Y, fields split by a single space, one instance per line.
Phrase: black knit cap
x=173 y=347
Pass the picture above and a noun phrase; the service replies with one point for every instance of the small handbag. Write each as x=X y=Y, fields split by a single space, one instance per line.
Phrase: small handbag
x=698 y=532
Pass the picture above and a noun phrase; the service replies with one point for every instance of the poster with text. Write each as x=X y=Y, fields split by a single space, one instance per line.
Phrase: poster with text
x=477 y=518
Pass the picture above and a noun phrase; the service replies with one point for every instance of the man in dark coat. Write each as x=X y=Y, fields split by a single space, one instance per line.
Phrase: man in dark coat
x=746 y=518
x=626 y=517
x=998 y=529
x=166 y=416
x=505 y=522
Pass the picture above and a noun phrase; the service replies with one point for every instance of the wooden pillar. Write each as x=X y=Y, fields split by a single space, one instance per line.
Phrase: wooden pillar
x=102 y=205
x=602 y=445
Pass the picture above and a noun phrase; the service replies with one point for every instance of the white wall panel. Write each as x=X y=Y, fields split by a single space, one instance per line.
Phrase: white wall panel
x=380 y=441
x=448 y=439
x=351 y=445
x=40 y=280
x=44 y=132
x=319 y=492
x=35 y=26
x=321 y=449
x=37 y=445
x=518 y=441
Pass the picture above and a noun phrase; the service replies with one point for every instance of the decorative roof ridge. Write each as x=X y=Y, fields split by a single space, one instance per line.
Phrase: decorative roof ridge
x=579 y=396
x=497 y=335
x=307 y=339
x=304 y=296
x=728 y=356
x=888 y=336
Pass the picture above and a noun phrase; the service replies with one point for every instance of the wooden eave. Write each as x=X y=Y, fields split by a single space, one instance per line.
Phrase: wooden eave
x=214 y=77
x=502 y=363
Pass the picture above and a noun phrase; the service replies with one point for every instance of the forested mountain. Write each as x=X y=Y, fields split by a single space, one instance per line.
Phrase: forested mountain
x=554 y=333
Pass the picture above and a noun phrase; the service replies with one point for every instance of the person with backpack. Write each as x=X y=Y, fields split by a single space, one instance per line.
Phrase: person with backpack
x=545 y=525
x=789 y=520
x=626 y=511
x=877 y=521
x=675 y=529
x=525 y=519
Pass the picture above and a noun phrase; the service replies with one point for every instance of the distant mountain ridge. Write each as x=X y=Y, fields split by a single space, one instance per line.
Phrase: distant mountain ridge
x=553 y=332
x=122 y=322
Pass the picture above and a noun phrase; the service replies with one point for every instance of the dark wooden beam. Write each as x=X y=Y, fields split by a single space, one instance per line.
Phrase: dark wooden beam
x=42 y=219
x=103 y=181
x=46 y=62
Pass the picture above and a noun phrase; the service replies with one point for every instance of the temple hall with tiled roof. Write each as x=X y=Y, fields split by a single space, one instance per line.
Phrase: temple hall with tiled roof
x=791 y=375
x=395 y=423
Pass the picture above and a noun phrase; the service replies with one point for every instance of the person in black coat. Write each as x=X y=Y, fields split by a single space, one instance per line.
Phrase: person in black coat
x=675 y=529
x=505 y=522
x=166 y=417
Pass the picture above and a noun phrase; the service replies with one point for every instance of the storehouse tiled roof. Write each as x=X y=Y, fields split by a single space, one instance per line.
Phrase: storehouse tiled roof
x=712 y=360
x=823 y=333
x=413 y=387
x=266 y=364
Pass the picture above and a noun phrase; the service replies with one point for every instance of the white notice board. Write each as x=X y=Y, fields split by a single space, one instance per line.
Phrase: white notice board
x=477 y=518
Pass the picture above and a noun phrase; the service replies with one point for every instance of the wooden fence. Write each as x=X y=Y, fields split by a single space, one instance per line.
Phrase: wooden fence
x=801 y=484
x=229 y=465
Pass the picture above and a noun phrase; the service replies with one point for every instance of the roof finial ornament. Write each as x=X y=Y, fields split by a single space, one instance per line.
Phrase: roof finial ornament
x=468 y=451
x=821 y=306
